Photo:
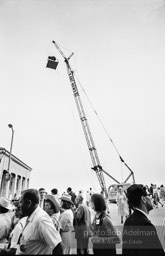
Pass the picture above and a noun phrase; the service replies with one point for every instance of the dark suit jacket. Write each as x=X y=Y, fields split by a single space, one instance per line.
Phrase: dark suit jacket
x=140 y=236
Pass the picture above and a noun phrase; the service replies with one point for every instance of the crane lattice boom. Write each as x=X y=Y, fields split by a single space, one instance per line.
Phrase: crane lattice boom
x=88 y=136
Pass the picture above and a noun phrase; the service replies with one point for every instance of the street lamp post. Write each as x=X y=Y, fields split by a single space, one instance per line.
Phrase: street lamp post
x=11 y=145
x=8 y=175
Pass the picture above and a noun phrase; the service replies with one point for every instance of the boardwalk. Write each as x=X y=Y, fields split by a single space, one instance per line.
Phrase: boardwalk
x=157 y=217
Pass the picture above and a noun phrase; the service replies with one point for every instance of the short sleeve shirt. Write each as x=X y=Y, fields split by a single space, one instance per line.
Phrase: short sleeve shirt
x=66 y=219
x=5 y=225
x=39 y=234
x=17 y=231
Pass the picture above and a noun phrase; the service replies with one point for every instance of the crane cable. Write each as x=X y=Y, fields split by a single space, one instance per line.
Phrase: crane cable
x=121 y=159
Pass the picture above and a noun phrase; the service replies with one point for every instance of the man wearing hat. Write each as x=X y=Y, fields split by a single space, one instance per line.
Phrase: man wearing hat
x=139 y=234
x=5 y=219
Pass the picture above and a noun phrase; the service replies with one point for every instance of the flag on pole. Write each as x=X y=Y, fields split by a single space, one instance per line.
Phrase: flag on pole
x=52 y=62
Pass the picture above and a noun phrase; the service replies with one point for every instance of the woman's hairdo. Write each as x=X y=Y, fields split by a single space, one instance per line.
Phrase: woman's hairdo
x=99 y=202
x=51 y=204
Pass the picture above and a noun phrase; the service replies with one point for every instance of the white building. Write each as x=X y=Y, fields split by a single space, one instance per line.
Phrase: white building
x=19 y=175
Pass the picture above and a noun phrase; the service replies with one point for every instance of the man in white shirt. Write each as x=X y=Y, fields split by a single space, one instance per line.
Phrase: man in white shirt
x=42 y=193
x=39 y=235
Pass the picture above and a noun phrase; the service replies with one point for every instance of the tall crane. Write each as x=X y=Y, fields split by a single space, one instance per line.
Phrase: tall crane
x=88 y=136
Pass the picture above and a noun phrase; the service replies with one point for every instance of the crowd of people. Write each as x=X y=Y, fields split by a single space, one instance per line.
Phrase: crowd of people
x=45 y=223
x=157 y=194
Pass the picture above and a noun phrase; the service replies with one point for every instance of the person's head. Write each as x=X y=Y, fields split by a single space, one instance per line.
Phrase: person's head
x=51 y=205
x=98 y=203
x=29 y=201
x=79 y=200
x=41 y=192
x=18 y=211
x=138 y=197
x=66 y=202
x=69 y=189
x=161 y=187
x=5 y=205
x=120 y=189
x=54 y=191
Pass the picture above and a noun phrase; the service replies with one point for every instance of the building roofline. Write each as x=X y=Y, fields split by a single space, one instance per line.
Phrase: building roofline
x=14 y=158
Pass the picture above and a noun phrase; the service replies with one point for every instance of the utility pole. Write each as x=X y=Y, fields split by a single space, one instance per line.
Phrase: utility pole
x=7 y=174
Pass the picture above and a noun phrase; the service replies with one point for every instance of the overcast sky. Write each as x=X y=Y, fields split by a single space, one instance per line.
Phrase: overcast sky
x=119 y=60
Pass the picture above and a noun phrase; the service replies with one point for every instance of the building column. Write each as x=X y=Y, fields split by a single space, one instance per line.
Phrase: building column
x=12 y=175
x=3 y=185
x=25 y=187
x=23 y=184
x=19 y=186
x=14 y=186
x=27 y=183
x=6 y=192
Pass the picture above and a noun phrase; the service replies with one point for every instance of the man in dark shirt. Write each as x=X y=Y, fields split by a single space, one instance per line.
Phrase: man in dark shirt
x=151 y=189
x=72 y=194
x=82 y=224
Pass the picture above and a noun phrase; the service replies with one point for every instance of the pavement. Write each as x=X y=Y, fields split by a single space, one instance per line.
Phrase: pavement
x=157 y=217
